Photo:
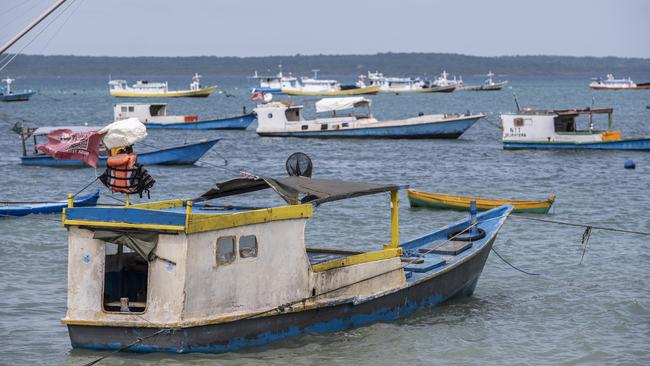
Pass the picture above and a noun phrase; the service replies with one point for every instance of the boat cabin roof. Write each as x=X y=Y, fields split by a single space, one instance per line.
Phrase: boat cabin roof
x=339 y=104
x=564 y=112
x=294 y=189
x=147 y=104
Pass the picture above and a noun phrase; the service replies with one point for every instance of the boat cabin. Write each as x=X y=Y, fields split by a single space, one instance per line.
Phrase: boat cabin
x=182 y=263
x=343 y=113
x=548 y=126
x=146 y=113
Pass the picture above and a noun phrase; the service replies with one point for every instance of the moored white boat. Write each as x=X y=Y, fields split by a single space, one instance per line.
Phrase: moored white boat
x=558 y=129
x=488 y=85
x=399 y=84
x=323 y=87
x=273 y=84
x=611 y=83
x=284 y=119
x=154 y=116
x=7 y=94
x=146 y=89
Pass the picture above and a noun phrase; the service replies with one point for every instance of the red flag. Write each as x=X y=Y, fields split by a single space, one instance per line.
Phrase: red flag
x=66 y=144
x=257 y=95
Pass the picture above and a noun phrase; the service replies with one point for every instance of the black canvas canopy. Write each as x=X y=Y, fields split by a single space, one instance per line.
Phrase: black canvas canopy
x=292 y=188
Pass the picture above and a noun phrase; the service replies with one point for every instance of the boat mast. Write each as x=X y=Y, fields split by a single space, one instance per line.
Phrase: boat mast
x=31 y=26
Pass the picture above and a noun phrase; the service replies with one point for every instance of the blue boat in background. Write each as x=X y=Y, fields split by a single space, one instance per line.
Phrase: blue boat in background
x=24 y=209
x=8 y=95
x=186 y=154
x=154 y=116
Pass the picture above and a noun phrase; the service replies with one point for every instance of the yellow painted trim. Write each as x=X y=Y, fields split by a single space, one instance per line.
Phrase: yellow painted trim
x=481 y=203
x=172 y=94
x=124 y=225
x=394 y=219
x=70 y=200
x=197 y=223
x=158 y=205
x=357 y=259
x=367 y=90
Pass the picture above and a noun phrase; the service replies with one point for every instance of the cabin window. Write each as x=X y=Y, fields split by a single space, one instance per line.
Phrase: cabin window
x=304 y=127
x=126 y=275
x=519 y=122
x=565 y=124
x=225 y=249
x=345 y=124
x=248 y=246
x=323 y=126
x=292 y=115
x=131 y=109
x=124 y=109
x=270 y=115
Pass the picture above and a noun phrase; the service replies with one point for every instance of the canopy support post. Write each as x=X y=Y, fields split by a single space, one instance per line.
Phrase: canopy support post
x=609 y=121
x=70 y=200
x=394 y=219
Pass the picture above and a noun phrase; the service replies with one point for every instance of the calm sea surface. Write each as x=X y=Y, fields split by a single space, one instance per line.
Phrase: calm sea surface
x=597 y=312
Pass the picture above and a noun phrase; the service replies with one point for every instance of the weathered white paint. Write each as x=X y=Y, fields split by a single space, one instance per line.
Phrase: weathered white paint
x=198 y=290
x=540 y=127
x=280 y=117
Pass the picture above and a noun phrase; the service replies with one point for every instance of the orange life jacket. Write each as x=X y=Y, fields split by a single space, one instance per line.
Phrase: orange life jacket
x=121 y=169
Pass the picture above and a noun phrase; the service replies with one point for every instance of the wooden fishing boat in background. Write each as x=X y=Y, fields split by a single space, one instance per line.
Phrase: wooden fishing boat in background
x=186 y=276
x=282 y=119
x=154 y=116
x=146 y=89
x=462 y=203
x=320 y=87
x=558 y=129
x=7 y=94
x=488 y=85
x=24 y=209
x=186 y=154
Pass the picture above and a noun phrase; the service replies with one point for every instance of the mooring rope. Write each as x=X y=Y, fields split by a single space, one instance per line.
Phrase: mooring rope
x=512 y=265
x=582 y=225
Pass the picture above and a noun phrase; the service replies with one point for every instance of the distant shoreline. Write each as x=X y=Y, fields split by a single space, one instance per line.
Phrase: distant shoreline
x=399 y=64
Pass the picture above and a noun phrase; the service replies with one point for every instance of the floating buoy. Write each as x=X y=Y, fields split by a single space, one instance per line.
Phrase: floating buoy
x=629 y=164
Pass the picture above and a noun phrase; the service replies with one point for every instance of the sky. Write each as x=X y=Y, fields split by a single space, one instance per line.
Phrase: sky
x=289 y=27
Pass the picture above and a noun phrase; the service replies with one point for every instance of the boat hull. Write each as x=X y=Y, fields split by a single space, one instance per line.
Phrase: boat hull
x=442 y=130
x=461 y=203
x=459 y=281
x=627 y=144
x=200 y=93
x=17 y=97
x=356 y=91
x=84 y=200
x=231 y=123
x=180 y=155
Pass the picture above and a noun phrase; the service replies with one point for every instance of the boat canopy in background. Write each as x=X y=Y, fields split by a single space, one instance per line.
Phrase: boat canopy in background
x=339 y=104
x=123 y=133
x=291 y=189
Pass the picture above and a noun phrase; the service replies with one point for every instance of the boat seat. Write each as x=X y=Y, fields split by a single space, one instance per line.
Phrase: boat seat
x=427 y=264
x=448 y=248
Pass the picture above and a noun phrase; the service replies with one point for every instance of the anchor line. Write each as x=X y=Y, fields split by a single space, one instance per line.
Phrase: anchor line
x=593 y=227
x=492 y=123
x=513 y=266
x=124 y=348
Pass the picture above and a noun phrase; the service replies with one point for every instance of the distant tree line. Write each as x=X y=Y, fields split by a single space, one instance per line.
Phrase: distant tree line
x=423 y=64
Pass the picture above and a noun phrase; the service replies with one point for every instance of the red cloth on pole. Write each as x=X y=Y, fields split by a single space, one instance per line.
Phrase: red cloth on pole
x=66 y=144
x=257 y=95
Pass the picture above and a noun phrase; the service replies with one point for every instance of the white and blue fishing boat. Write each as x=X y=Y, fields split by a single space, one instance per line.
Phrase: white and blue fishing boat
x=28 y=208
x=189 y=276
x=154 y=116
x=559 y=129
x=273 y=84
x=7 y=94
x=186 y=154
x=286 y=120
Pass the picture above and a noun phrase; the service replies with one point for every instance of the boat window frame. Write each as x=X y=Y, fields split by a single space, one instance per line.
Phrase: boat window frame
x=239 y=246
x=217 y=263
x=102 y=303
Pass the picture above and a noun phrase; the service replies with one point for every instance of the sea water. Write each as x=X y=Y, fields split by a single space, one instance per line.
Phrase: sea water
x=596 y=312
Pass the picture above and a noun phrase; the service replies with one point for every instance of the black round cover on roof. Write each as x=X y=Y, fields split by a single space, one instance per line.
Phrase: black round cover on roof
x=299 y=164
